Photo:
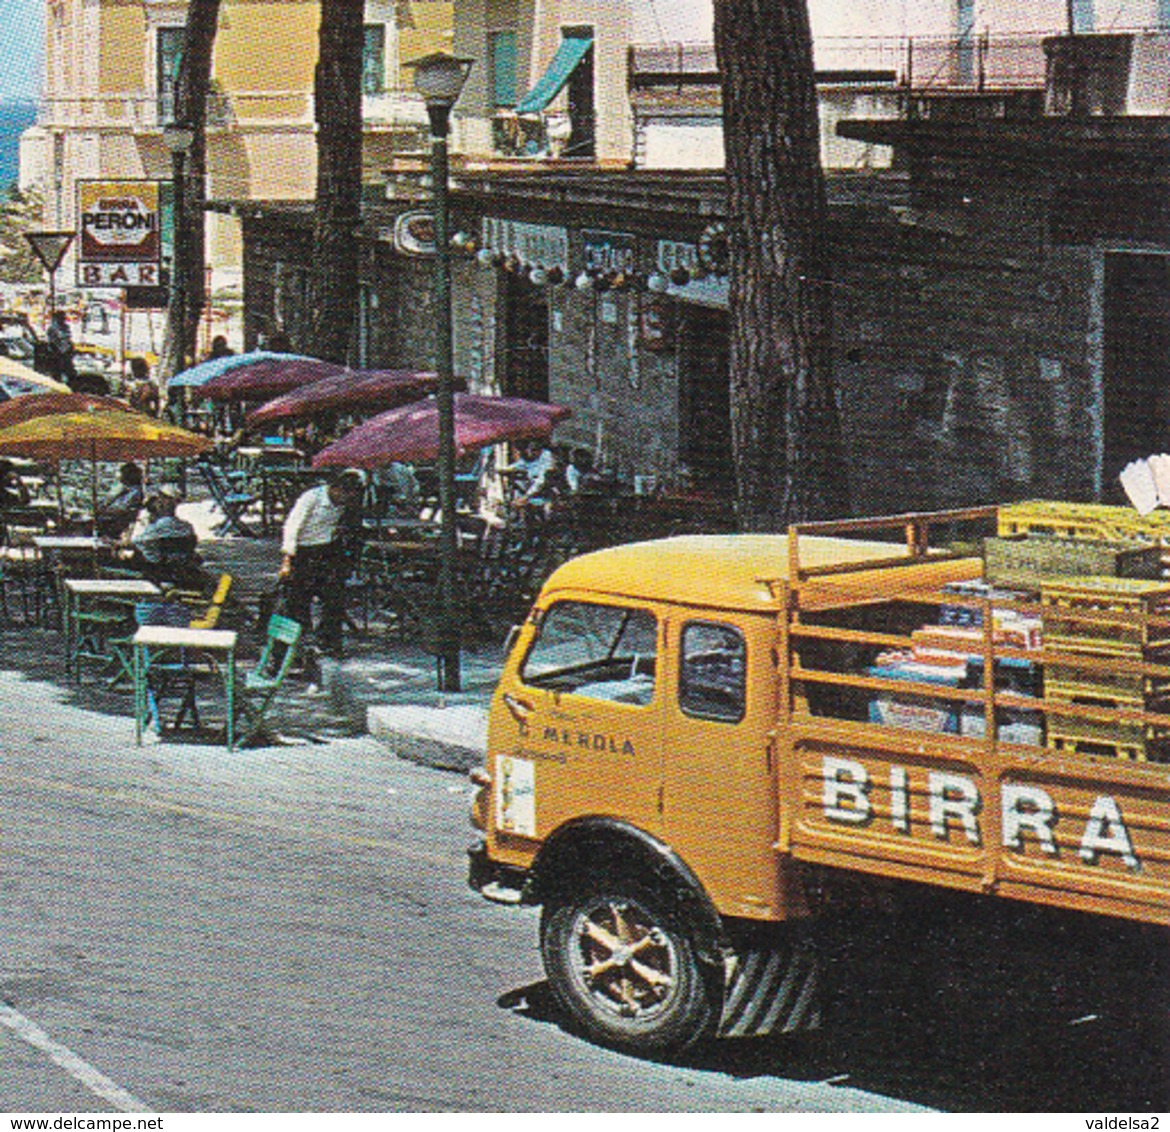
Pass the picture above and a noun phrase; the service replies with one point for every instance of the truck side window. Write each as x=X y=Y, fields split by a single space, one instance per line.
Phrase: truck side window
x=606 y=652
x=713 y=672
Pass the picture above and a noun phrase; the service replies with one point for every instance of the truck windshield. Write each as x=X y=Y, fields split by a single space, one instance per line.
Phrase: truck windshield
x=602 y=651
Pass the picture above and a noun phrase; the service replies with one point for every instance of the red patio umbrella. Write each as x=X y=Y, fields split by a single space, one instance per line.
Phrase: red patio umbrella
x=267 y=378
x=25 y=408
x=410 y=433
x=369 y=389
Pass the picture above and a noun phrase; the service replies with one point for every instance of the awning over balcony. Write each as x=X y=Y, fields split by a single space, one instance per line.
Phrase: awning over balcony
x=570 y=53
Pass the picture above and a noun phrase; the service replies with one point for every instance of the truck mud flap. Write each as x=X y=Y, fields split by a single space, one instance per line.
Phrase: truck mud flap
x=774 y=988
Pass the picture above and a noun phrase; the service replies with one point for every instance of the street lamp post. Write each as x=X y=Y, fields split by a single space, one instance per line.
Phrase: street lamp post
x=439 y=78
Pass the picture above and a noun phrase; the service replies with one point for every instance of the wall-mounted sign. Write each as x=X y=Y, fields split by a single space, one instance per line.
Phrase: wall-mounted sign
x=609 y=252
x=119 y=233
x=715 y=248
x=672 y=254
x=538 y=245
x=414 y=233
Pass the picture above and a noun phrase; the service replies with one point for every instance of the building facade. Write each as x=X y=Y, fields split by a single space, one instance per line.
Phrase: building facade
x=110 y=71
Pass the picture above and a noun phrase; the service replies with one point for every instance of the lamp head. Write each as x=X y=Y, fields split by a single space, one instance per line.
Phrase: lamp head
x=439 y=78
x=178 y=139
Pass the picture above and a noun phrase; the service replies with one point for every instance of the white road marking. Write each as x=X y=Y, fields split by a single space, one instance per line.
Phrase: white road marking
x=76 y=1067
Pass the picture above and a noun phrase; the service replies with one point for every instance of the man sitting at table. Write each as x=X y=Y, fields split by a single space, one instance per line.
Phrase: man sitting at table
x=318 y=544
x=117 y=514
x=164 y=551
x=13 y=492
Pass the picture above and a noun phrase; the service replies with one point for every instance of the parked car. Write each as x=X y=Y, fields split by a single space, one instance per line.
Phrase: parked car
x=20 y=342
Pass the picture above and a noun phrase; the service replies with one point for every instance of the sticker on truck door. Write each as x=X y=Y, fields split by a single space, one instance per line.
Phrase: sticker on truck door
x=515 y=796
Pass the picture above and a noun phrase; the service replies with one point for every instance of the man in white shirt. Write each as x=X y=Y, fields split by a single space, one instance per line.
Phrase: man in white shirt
x=316 y=559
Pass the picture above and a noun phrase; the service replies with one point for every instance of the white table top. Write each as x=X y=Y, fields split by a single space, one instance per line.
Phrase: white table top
x=160 y=635
x=67 y=542
x=117 y=586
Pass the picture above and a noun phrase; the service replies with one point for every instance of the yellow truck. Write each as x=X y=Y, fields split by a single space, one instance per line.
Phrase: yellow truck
x=701 y=746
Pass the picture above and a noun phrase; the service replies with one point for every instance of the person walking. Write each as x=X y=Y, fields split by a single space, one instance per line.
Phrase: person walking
x=60 y=344
x=318 y=545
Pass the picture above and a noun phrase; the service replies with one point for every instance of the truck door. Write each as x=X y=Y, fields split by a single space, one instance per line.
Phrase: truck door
x=719 y=799
x=588 y=692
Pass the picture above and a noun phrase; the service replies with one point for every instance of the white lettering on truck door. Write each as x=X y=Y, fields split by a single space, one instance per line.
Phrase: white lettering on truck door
x=953 y=796
x=1027 y=808
x=1106 y=833
x=845 y=791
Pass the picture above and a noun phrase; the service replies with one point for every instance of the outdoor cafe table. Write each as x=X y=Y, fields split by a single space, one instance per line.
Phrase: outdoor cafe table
x=55 y=550
x=36 y=513
x=78 y=590
x=151 y=641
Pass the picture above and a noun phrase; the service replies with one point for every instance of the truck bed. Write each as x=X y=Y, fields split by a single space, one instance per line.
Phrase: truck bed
x=914 y=768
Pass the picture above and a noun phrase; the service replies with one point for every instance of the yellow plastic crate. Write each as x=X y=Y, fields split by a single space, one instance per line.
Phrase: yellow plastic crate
x=1119 y=739
x=1069 y=683
x=1082 y=520
x=1104 y=616
x=1136 y=749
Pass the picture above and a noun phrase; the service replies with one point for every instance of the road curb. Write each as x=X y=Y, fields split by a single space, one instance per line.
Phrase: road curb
x=447 y=736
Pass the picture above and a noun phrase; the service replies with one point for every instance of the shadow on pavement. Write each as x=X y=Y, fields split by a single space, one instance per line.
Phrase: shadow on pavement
x=972 y=1005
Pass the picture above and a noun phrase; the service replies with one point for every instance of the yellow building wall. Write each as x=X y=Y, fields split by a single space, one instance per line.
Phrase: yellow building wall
x=121 y=50
x=428 y=29
x=267 y=45
x=611 y=37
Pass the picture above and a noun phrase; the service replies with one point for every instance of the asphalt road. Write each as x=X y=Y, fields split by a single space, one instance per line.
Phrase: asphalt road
x=289 y=929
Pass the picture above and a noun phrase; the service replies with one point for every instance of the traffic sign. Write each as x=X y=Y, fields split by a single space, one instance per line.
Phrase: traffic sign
x=49 y=247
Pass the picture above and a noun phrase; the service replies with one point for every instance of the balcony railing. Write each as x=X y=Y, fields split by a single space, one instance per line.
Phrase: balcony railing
x=979 y=62
x=143 y=112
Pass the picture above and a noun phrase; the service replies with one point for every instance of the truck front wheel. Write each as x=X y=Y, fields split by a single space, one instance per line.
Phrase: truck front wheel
x=626 y=970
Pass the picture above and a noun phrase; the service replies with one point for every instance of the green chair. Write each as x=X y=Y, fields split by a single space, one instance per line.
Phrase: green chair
x=261 y=685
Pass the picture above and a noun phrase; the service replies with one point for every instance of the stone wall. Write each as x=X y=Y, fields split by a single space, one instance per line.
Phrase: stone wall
x=961 y=359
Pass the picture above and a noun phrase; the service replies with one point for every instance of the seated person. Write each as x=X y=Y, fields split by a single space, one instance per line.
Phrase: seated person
x=117 y=514
x=165 y=548
x=397 y=491
x=532 y=470
x=580 y=475
x=13 y=492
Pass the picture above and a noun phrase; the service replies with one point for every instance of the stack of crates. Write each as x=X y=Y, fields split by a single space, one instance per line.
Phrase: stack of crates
x=1084 y=521
x=1104 y=629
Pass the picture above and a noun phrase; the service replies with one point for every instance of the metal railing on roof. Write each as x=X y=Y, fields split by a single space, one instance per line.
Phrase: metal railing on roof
x=976 y=62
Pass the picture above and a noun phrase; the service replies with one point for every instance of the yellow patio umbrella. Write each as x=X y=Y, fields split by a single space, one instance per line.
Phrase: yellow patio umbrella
x=99 y=434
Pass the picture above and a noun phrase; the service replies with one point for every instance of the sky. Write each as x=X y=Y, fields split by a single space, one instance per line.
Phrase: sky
x=20 y=48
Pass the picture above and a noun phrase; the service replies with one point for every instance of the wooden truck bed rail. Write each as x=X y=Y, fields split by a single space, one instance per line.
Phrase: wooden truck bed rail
x=1030 y=758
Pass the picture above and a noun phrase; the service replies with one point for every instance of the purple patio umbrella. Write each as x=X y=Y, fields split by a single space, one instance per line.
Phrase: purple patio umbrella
x=371 y=390
x=410 y=433
x=267 y=378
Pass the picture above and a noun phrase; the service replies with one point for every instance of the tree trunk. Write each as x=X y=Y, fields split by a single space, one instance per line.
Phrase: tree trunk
x=785 y=429
x=194 y=83
x=339 y=177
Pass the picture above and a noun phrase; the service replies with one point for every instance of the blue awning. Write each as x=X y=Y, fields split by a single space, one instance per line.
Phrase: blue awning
x=569 y=54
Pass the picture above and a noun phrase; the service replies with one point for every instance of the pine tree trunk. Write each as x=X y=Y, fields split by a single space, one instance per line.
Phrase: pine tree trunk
x=194 y=83
x=785 y=428
x=339 y=177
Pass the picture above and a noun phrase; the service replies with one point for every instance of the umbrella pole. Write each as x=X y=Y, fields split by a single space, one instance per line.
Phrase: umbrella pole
x=93 y=497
